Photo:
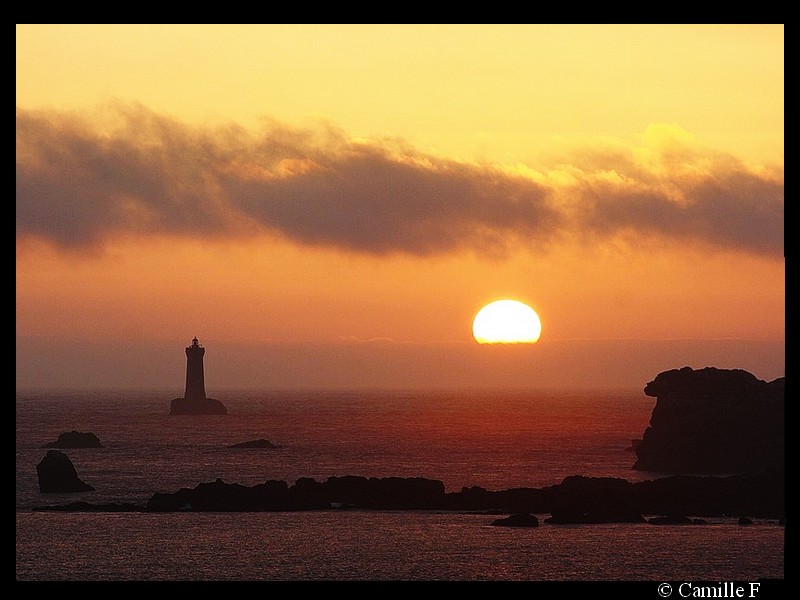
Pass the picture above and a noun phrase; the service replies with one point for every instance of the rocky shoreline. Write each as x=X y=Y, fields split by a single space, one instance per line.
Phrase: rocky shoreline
x=577 y=499
x=705 y=421
x=713 y=421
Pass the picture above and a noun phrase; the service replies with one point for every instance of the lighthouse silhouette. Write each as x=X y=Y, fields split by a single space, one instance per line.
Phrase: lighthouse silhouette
x=194 y=401
x=195 y=378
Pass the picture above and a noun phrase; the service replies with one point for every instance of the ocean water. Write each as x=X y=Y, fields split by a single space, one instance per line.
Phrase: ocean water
x=497 y=440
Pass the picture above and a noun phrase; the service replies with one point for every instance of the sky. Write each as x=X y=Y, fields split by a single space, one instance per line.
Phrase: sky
x=329 y=206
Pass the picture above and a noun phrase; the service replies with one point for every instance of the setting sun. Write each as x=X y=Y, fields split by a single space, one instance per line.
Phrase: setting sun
x=506 y=322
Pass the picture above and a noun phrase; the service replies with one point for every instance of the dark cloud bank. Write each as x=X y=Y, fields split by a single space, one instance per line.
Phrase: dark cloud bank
x=80 y=182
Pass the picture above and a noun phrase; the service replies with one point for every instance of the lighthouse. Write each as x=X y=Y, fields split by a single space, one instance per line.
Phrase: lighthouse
x=195 y=401
x=195 y=380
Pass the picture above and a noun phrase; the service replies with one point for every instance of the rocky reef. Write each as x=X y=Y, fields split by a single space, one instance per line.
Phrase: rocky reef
x=594 y=500
x=390 y=493
x=57 y=475
x=75 y=439
x=576 y=500
x=713 y=421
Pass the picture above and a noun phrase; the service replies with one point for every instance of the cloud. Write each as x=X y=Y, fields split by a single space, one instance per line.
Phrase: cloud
x=670 y=188
x=127 y=170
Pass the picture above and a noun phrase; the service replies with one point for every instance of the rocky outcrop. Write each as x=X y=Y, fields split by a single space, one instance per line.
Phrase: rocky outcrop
x=713 y=421
x=517 y=520
x=75 y=439
x=593 y=500
x=224 y=497
x=390 y=493
x=755 y=494
x=57 y=475
x=579 y=499
x=260 y=443
x=198 y=406
x=515 y=500
x=585 y=500
x=387 y=493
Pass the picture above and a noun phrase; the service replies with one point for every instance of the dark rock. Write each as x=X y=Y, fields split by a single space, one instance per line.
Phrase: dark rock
x=474 y=498
x=224 y=497
x=57 y=475
x=197 y=406
x=713 y=421
x=261 y=443
x=390 y=493
x=309 y=494
x=584 y=500
x=515 y=500
x=761 y=494
x=387 y=493
x=745 y=521
x=517 y=520
x=581 y=499
x=75 y=439
x=671 y=520
x=577 y=499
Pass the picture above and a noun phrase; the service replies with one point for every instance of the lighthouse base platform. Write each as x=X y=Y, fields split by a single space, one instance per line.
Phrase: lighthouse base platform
x=209 y=406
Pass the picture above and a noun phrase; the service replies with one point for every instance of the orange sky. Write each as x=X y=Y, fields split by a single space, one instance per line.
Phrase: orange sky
x=329 y=206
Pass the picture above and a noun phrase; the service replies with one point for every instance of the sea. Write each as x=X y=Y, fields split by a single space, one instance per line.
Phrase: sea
x=493 y=439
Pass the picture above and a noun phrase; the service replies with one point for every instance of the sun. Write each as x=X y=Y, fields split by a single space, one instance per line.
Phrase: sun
x=506 y=322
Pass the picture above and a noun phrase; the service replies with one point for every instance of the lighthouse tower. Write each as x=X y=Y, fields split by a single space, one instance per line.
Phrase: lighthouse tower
x=194 y=401
x=195 y=380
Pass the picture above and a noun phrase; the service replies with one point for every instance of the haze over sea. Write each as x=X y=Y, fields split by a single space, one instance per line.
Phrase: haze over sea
x=496 y=440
